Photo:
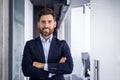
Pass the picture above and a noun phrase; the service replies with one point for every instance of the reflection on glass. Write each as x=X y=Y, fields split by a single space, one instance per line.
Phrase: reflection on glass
x=18 y=38
x=80 y=40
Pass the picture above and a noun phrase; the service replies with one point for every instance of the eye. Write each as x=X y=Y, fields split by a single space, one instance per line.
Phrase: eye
x=50 y=21
x=42 y=21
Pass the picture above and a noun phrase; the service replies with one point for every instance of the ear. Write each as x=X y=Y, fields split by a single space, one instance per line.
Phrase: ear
x=55 y=24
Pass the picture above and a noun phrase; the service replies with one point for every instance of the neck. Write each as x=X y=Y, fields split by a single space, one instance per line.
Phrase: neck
x=46 y=37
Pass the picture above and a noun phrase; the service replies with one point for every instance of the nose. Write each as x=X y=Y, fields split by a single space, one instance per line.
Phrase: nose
x=46 y=24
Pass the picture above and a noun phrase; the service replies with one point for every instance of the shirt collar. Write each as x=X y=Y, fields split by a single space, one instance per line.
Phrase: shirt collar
x=43 y=40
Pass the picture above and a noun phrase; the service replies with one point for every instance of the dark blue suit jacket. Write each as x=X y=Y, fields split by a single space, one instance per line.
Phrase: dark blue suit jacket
x=33 y=51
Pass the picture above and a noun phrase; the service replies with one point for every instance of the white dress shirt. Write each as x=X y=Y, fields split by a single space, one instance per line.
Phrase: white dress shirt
x=46 y=47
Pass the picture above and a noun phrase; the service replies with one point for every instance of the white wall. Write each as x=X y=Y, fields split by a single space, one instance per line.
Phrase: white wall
x=80 y=37
x=28 y=20
x=4 y=39
x=105 y=37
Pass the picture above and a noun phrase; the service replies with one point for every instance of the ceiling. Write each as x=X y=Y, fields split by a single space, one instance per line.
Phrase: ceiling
x=47 y=3
x=42 y=3
x=59 y=6
x=50 y=3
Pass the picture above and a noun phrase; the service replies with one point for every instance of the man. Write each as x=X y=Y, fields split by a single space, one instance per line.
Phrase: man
x=46 y=57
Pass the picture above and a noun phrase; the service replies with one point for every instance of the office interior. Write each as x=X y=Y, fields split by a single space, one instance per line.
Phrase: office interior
x=90 y=27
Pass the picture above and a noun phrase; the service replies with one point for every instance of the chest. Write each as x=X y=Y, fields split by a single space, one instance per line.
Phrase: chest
x=54 y=53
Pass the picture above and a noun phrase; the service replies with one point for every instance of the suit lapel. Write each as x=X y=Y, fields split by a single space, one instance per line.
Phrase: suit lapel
x=40 y=47
x=52 y=45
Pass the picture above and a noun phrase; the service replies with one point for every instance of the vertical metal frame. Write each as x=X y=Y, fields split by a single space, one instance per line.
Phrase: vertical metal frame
x=10 y=37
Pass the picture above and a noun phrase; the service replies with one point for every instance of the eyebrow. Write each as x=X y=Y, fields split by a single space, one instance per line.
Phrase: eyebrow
x=45 y=20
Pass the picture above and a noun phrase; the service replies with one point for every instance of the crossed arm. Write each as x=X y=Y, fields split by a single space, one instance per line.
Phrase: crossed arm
x=40 y=65
x=35 y=69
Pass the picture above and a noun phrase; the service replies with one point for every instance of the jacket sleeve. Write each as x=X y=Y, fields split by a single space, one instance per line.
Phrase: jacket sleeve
x=28 y=69
x=62 y=68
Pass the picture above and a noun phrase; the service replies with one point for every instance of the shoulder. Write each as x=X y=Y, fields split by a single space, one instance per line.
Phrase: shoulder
x=32 y=41
x=60 y=42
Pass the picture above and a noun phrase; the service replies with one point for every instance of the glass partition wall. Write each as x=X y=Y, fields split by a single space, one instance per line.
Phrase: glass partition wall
x=80 y=41
x=17 y=38
x=75 y=29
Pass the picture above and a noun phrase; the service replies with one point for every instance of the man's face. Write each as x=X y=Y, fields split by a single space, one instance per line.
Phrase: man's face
x=46 y=25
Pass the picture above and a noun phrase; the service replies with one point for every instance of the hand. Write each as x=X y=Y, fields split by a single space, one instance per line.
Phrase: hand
x=62 y=60
x=38 y=65
x=53 y=75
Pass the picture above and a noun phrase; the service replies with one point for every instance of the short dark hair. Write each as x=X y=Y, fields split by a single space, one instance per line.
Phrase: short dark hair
x=46 y=11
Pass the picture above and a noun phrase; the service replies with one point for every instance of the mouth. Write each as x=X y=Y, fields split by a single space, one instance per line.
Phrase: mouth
x=45 y=29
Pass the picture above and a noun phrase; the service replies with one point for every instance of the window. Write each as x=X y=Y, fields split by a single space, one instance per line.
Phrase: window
x=80 y=36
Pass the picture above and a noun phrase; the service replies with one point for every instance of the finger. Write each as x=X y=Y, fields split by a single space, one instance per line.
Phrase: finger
x=34 y=64
x=63 y=59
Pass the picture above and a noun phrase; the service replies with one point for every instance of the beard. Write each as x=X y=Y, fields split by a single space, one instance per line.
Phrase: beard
x=46 y=31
